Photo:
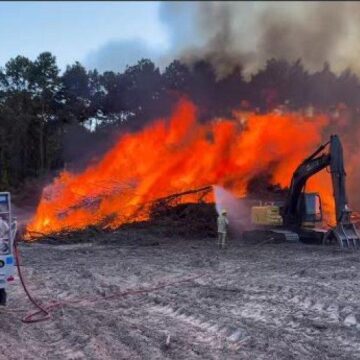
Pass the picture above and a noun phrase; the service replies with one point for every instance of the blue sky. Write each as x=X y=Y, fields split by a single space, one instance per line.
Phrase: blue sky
x=75 y=30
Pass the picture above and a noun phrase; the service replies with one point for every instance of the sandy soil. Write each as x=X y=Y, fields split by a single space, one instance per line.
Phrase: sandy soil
x=273 y=301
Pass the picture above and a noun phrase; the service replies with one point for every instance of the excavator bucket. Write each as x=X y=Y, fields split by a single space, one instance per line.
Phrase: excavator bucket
x=346 y=236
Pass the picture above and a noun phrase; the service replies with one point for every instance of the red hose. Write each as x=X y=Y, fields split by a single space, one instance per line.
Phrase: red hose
x=33 y=317
x=42 y=310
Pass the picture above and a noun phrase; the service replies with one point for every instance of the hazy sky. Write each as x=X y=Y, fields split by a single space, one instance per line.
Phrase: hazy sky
x=74 y=30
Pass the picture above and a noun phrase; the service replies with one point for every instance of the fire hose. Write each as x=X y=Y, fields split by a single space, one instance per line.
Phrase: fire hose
x=45 y=311
x=42 y=309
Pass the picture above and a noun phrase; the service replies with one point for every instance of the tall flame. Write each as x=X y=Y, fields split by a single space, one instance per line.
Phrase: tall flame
x=176 y=154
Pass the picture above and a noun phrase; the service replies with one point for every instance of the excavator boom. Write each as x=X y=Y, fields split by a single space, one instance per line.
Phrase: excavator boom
x=338 y=176
x=299 y=213
x=344 y=232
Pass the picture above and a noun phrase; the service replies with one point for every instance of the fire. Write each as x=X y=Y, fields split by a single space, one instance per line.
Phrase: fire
x=176 y=154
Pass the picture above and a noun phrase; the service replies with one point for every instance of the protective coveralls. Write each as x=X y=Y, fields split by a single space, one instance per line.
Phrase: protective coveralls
x=222 y=223
x=4 y=236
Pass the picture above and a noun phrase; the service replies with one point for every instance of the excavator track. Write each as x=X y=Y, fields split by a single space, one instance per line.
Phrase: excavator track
x=288 y=235
x=274 y=235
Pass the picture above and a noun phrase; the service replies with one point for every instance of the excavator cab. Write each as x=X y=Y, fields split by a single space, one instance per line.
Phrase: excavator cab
x=296 y=219
x=310 y=209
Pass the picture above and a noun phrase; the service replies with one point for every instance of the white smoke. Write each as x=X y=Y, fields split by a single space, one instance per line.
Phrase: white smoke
x=117 y=55
x=237 y=210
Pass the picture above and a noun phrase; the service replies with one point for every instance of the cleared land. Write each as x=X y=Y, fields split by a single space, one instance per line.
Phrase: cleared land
x=269 y=301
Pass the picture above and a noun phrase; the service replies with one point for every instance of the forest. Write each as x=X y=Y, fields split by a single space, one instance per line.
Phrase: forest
x=51 y=119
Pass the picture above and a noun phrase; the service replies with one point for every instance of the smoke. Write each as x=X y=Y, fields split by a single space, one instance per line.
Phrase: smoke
x=249 y=33
x=246 y=33
x=117 y=55
x=237 y=210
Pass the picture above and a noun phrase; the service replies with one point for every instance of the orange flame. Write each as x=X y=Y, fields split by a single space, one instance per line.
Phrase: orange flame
x=177 y=154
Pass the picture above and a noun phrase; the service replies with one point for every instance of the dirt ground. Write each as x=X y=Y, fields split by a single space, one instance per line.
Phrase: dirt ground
x=269 y=301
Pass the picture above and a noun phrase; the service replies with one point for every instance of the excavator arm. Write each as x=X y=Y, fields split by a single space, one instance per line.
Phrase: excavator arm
x=338 y=175
x=306 y=169
x=344 y=232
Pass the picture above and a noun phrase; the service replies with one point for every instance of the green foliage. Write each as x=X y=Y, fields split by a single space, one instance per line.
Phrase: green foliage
x=40 y=108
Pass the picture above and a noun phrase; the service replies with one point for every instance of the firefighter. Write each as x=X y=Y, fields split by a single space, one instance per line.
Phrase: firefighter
x=222 y=222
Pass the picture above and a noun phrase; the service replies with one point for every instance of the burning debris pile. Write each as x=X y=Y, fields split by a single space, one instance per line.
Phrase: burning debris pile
x=169 y=216
x=173 y=155
x=173 y=216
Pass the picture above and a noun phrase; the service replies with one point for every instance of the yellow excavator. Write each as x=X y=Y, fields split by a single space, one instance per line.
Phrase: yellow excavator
x=296 y=218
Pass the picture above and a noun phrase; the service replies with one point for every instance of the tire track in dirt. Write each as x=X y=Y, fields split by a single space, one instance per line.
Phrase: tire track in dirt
x=273 y=303
x=257 y=308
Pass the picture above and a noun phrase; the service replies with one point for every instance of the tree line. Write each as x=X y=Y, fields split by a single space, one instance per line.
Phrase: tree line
x=41 y=108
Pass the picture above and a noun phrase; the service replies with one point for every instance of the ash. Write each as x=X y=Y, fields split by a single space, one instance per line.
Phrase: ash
x=267 y=301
